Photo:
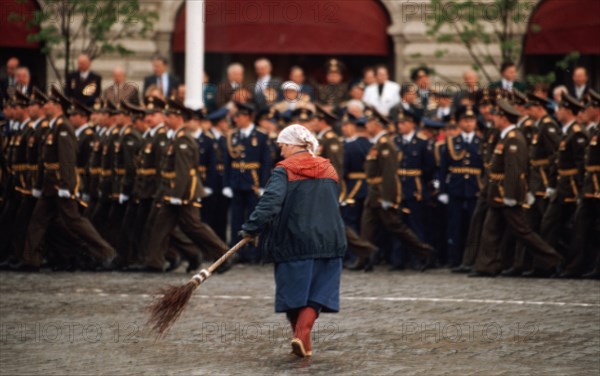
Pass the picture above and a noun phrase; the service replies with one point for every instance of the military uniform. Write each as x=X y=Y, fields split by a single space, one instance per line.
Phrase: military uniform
x=207 y=170
x=248 y=167
x=355 y=154
x=181 y=195
x=220 y=144
x=568 y=182
x=506 y=196
x=58 y=176
x=85 y=90
x=460 y=178
x=382 y=204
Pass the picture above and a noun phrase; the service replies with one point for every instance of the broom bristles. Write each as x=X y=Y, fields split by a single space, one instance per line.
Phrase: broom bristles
x=165 y=311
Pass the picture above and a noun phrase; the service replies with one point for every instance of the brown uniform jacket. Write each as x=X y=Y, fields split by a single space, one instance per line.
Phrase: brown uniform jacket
x=85 y=148
x=570 y=164
x=179 y=170
x=332 y=148
x=148 y=176
x=542 y=155
x=508 y=170
x=591 y=182
x=126 y=151
x=381 y=168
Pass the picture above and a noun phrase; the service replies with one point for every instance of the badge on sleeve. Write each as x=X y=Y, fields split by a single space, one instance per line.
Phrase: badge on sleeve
x=183 y=146
x=63 y=133
x=513 y=148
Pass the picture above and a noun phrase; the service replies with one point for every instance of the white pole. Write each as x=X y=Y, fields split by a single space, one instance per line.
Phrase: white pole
x=194 y=53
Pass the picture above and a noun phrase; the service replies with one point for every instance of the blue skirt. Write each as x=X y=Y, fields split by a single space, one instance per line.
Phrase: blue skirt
x=316 y=280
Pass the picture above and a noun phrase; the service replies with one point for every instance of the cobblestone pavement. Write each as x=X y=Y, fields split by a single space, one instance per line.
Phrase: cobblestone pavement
x=405 y=323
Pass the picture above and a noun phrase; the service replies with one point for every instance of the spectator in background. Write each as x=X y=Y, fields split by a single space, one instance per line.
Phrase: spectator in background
x=154 y=91
x=209 y=94
x=10 y=80
x=297 y=76
x=368 y=77
x=120 y=89
x=235 y=80
x=23 y=81
x=580 y=83
x=469 y=87
x=84 y=84
x=162 y=79
x=383 y=94
x=508 y=73
x=557 y=95
x=265 y=83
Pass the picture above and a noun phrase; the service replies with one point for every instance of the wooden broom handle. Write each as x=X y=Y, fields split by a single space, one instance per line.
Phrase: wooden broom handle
x=229 y=253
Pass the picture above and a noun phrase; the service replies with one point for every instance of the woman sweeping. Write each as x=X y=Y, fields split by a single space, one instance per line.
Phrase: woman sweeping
x=302 y=232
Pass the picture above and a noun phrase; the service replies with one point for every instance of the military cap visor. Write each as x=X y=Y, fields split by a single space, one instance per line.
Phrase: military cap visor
x=593 y=98
x=570 y=103
x=535 y=100
x=505 y=109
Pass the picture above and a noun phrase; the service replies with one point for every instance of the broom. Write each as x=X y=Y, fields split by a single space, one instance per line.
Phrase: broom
x=165 y=311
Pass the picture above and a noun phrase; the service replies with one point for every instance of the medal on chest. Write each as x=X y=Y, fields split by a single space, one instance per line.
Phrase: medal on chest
x=148 y=149
x=254 y=141
x=50 y=139
x=499 y=149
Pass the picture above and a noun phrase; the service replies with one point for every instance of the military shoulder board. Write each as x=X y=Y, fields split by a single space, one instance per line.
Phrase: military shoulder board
x=89 y=132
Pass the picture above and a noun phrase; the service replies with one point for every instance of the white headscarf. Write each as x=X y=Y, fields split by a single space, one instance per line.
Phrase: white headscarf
x=297 y=134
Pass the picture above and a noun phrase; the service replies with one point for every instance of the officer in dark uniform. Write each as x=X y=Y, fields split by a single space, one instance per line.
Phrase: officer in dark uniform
x=57 y=189
x=460 y=178
x=84 y=84
x=416 y=165
x=491 y=136
x=219 y=130
x=382 y=205
x=584 y=253
x=564 y=189
x=334 y=91
x=330 y=145
x=79 y=116
x=91 y=192
x=247 y=169
x=542 y=167
x=107 y=197
x=148 y=178
x=525 y=123
x=506 y=196
x=180 y=194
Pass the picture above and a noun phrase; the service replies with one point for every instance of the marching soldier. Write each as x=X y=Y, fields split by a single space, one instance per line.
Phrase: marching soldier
x=247 y=170
x=330 y=146
x=57 y=188
x=91 y=193
x=542 y=167
x=506 y=196
x=415 y=169
x=460 y=181
x=382 y=205
x=79 y=116
x=585 y=250
x=220 y=129
x=180 y=195
x=525 y=124
x=564 y=189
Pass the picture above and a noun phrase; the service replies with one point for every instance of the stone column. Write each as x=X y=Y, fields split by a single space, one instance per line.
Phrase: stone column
x=194 y=53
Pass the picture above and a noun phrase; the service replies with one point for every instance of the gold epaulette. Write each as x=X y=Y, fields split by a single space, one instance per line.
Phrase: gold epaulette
x=162 y=130
x=329 y=135
x=128 y=130
x=89 y=131
x=576 y=128
x=383 y=140
x=512 y=134
x=45 y=123
x=115 y=131
x=547 y=120
x=421 y=136
x=181 y=133
x=261 y=130
x=528 y=123
x=59 y=121
x=209 y=135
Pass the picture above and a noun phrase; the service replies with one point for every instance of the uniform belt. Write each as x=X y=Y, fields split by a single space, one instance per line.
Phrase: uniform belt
x=106 y=172
x=569 y=172
x=595 y=168
x=496 y=176
x=465 y=170
x=540 y=162
x=120 y=171
x=96 y=171
x=20 y=167
x=245 y=166
x=220 y=167
x=146 y=171
x=406 y=172
x=80 y=170
x=51 y=166
x=32 y=167
x=357 y=175
x=202 y=168
x=168 y=175
x=375 y=180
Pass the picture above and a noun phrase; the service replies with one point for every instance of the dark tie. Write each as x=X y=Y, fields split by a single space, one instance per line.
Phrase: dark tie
x=380 y=87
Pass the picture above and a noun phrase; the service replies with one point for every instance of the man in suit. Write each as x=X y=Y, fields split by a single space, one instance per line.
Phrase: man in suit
x=383 y=94
x=9 y=81
x=420 y=76
x=235 y=80
x=580 y=87
x=23 y=81
x=508 y=82
x=121 y=90
x=161 y=78
x=264 y=82
x=84 y=85
x=335 y=90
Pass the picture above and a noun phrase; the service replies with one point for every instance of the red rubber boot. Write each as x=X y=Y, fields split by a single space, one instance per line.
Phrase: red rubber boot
x=301 y=343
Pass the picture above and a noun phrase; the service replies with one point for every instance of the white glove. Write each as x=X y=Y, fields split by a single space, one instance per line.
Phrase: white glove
x=551 y=193
x=436 y=184
x=175 y=201
x=510 y=202
x=386 y=204
x=64 y=193
x=261 y=191
x=123 y=198
x=36 y=193
x=85 y=197
x=443 y=198
x=530 y=198
x=227 y=192
x=343 y=203
x=207 y=191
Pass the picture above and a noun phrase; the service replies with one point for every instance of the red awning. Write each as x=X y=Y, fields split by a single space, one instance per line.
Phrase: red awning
x=329 y=27
x=564 y=26
x=14 y=35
